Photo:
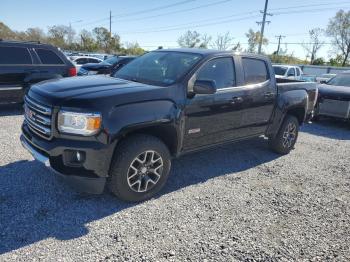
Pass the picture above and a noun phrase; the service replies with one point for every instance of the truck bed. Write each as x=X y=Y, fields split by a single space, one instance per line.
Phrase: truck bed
x=284 y=85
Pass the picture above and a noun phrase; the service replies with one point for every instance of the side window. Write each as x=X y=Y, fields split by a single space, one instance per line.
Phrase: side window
x=48 y=57
x=220 y=70
x=255 y=71
x=298 y=71
x=291 y=72
x=81 y=61
x=14 y=56
x=92 y=60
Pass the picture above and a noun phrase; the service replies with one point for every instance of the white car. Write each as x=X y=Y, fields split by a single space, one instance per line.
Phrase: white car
x=82 y=60
x=288 y=72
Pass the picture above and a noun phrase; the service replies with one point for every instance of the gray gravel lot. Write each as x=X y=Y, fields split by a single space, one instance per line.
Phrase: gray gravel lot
x=237 y=202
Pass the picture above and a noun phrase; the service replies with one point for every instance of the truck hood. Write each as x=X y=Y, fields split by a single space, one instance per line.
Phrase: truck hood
x=334 y=92
x=87 y=91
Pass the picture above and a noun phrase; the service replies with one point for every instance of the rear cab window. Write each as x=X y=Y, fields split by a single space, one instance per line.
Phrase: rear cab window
x=12 y=55
x=255 y=70
x=48 y=57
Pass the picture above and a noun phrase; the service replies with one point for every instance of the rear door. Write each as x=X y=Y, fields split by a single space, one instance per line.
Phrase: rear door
x=258 y=96
x=51 y=65
x=16 y=70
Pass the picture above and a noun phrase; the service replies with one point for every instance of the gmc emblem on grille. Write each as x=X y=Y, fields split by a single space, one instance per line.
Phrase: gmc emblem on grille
x=30 y=113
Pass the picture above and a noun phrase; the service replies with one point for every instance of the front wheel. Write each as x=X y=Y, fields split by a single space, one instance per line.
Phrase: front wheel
x=287 y=136
x=140 y=168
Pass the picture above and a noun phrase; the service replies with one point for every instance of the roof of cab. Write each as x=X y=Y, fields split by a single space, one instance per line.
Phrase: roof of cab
x=205 y=52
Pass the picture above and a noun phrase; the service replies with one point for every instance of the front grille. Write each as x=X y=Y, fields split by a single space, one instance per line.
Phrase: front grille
x=38 y=118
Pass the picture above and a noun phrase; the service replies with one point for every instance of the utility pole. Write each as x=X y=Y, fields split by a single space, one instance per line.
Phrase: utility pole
x=110 y=24
x=279 y=42
x=263 y=25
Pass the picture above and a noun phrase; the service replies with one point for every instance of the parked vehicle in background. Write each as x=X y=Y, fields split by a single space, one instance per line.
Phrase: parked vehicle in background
x=334 y=97
x=161 y=105
x=287 y=71
x=82 y=60
x=308 y=78
x=108 y=66
x=25 y=63
x=324 y=78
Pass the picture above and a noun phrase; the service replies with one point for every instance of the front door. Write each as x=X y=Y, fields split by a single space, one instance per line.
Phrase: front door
x=215 y=118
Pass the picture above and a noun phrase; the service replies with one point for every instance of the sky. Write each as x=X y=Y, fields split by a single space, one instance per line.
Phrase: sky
x=154 y=23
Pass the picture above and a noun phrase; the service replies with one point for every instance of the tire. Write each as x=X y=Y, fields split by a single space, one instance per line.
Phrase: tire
x=286 y=137
x=134 y=181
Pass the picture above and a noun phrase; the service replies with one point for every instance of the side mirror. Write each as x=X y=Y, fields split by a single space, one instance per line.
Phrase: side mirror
x=323 y=82
x=205 y=87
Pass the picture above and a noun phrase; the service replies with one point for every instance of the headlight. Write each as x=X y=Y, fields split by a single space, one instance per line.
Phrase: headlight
x=85 y=124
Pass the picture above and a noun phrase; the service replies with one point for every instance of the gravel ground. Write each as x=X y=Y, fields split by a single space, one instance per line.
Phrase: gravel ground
x=237 y=202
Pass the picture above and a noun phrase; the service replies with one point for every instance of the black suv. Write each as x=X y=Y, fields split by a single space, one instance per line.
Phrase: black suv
x=25 y=63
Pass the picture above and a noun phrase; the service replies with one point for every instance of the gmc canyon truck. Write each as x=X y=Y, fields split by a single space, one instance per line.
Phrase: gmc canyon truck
x=124 y=130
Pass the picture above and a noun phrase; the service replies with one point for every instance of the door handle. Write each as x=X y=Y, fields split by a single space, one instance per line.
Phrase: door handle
x=236 y=99
x=269 y=95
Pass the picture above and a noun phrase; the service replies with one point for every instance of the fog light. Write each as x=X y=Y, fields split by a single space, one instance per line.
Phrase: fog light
x=74 y=158
x=79 y=156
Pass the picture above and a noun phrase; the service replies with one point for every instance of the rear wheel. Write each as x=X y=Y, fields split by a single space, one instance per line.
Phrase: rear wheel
x=140 y=168
x=287 y=136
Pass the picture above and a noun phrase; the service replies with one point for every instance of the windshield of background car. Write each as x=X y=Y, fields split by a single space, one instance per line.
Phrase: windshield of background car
x=340 y=80
x=110 y=61
x=280 y=70
x=159 y=68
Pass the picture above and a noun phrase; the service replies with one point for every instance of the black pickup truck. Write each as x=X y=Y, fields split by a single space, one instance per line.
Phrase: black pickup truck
x=124 y=130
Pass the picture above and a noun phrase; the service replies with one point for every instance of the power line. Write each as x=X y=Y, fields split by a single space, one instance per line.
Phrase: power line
x=310 y=5
x=199 y=21
x=192 y=26
x=141 y=11
x=155 y=8
x=177 y=11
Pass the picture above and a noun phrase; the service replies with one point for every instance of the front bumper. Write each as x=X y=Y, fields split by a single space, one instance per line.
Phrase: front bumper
x=89 y=178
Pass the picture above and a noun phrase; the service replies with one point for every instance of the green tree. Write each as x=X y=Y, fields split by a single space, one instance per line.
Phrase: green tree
x=133 y=49
x=57 y=35
x=339 y=30
x=254 y=39
x=6 y=32
x=35 y=34
x=318 y=61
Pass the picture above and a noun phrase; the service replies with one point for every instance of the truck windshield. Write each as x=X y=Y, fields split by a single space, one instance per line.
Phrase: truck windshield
x=280 y=70
x=340 y=80
x=158 y=68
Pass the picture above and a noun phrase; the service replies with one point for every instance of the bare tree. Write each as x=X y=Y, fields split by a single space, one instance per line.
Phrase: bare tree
x=339 y=29
x=193 y=39
x=314 y=45
x=223 y=41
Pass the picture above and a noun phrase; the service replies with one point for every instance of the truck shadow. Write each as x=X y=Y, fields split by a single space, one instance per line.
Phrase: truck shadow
x=330 y=128
x=35 y=205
